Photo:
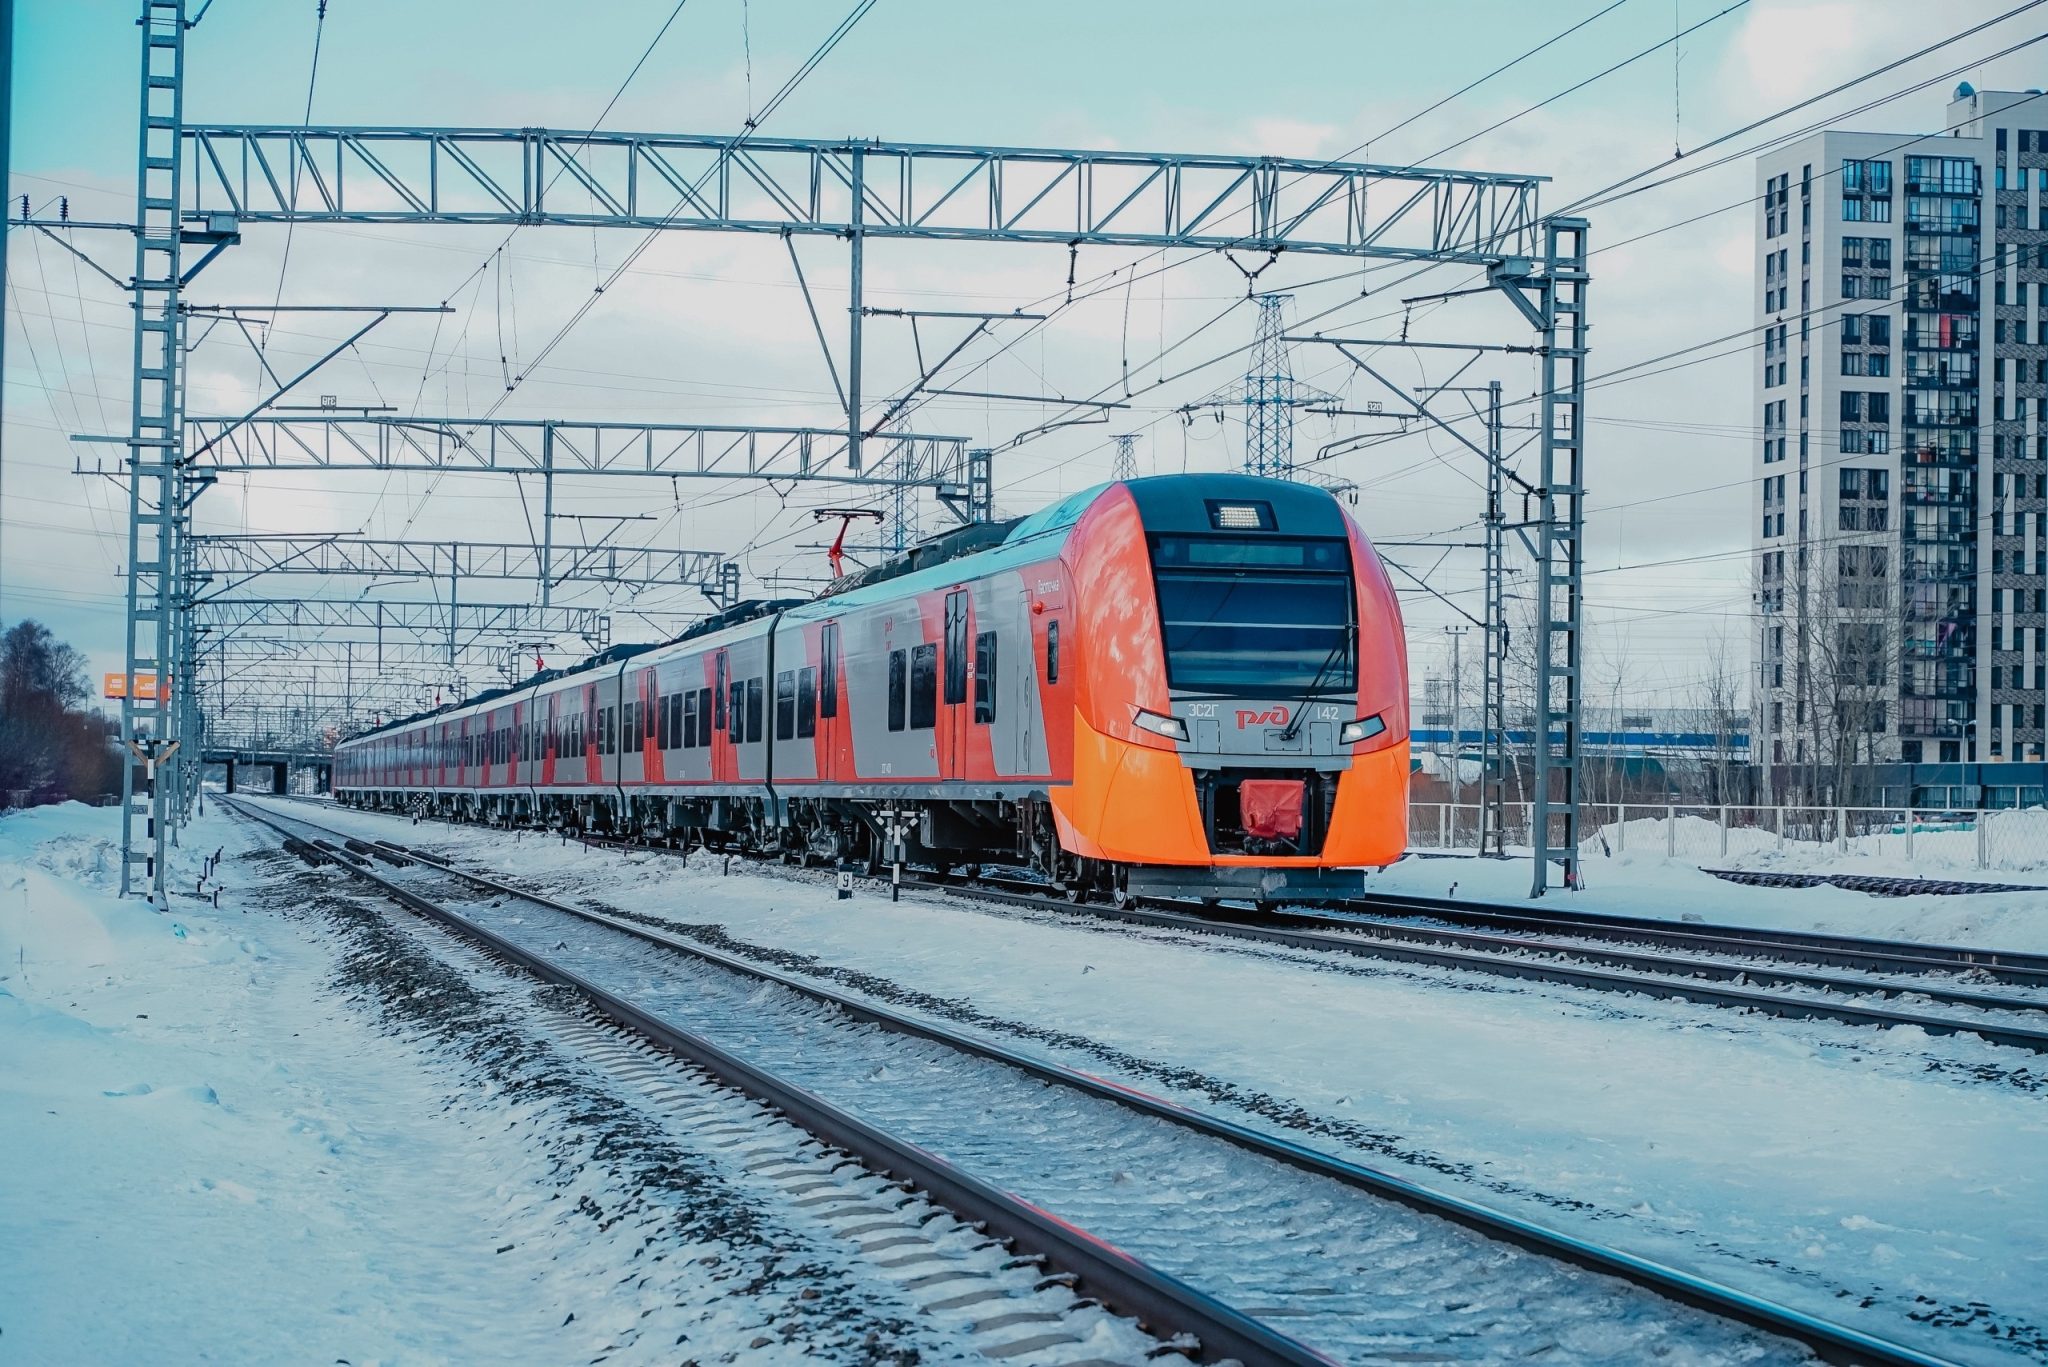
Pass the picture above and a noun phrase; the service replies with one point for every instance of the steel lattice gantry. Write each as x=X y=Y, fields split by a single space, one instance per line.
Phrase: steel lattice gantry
x=633 y=566
x=537 y=446
x=849 y=188
x=369 y=617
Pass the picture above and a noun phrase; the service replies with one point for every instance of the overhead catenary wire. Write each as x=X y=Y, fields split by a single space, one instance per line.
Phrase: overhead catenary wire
x=590 y=302
x=305 y=121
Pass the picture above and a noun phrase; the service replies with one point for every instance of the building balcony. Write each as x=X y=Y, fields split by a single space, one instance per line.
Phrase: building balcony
x=1937 y=418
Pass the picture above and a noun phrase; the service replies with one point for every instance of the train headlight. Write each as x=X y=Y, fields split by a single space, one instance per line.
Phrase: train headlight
x=1173 y=728
x=1365 y=728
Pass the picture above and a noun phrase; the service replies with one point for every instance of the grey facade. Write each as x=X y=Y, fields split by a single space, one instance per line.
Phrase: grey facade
x=1898 y=504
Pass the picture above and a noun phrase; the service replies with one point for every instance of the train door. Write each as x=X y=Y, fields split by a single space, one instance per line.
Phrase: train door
x=831 y=724
x=725 y=722
x=954 y=712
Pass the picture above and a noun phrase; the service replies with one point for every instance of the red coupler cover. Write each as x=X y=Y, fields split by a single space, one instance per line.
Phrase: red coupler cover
x=1271 y=807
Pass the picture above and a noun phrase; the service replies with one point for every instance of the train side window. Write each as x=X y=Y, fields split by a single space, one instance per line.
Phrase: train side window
x=828 y=684
x=718 y=692
x=664 y=723
x=806 y=703
x=985 y=678
x=785 y=705
x=738 y=711
x=1052 y=651
x=956 y=647
x=898 y=682
x=754 y=692
x=704 y=716
x=675 y=719
x=924 y=687
x=689 y=728
x=636 y=726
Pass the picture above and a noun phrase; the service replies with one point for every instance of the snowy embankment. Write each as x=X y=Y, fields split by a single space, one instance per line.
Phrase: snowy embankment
x=1814 y=1163
x=298 y=1129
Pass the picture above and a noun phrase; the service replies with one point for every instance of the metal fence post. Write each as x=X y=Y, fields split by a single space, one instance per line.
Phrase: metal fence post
x=1778 y=813
x=1910 y=824
x=1620 y=828
x=1670 y=830
x=1724 y=832
x=1842 y=830
x=1443 y=822
x=1983 y=840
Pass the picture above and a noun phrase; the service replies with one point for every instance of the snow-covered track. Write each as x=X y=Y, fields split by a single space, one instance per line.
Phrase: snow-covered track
x=1858 y=953
x=1576 y=963
x=1176 y=1313
x=1826 y=1340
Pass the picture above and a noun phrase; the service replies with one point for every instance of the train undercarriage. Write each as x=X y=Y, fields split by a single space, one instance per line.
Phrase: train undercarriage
x=943 y=835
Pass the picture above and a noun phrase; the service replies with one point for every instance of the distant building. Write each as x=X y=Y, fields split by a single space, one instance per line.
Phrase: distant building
x=1898 y=515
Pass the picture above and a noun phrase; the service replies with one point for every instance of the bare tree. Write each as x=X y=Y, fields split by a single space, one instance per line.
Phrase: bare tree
x=1720 y=705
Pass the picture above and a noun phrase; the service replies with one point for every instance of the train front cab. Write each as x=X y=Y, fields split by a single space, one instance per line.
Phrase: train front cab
x=1241 y=713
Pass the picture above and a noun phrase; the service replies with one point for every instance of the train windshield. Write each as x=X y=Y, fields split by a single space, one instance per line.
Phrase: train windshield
x=1257 y=616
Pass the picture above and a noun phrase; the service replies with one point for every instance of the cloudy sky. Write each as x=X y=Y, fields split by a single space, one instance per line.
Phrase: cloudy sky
x=712 y=328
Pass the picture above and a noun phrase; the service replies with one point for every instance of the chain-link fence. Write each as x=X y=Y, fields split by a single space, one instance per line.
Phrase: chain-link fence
x=1881 y=839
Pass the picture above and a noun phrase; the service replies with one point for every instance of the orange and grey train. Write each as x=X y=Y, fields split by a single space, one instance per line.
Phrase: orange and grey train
x=1190 y=685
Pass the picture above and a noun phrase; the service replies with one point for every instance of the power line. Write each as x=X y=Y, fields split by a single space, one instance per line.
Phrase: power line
x=788 y=88
x=305 y=121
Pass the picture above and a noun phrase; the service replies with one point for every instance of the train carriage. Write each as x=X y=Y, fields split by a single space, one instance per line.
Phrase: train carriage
x=1185 y=685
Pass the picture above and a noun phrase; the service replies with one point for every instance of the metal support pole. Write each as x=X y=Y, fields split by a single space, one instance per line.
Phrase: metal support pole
x=6 y=104
x=853 y=307
x=1493 y=751
x=1457 y=635
x=1560 y=638
x=156 y=505
x=547 y=514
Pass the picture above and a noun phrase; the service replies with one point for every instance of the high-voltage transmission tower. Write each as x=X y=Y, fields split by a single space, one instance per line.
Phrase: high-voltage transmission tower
x=201 y=186
x=1269 y=394
x=1125 y=463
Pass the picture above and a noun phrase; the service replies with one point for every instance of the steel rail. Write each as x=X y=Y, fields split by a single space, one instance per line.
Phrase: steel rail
x=1163 y=1303
x=1841 y=951
x=1663 y=976
x=1650 y=962
x=1831 y=1342
x=1367 y=941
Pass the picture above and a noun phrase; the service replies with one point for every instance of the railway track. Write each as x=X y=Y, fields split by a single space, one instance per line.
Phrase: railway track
x=1248 y=1227
x=1786 y=974
x=1728 y=966
x=1177 y=1314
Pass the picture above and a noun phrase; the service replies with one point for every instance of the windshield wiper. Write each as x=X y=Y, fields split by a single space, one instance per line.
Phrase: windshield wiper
x=1315 y=687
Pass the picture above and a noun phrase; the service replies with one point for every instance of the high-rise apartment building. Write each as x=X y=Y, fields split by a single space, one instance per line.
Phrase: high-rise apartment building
x=1902 y=464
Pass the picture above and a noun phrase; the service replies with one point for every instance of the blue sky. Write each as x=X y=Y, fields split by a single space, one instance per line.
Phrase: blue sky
x=714 y=330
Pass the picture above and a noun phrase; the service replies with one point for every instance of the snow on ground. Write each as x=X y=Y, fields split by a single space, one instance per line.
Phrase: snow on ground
x=286 y=1131
x=1816 y=1163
